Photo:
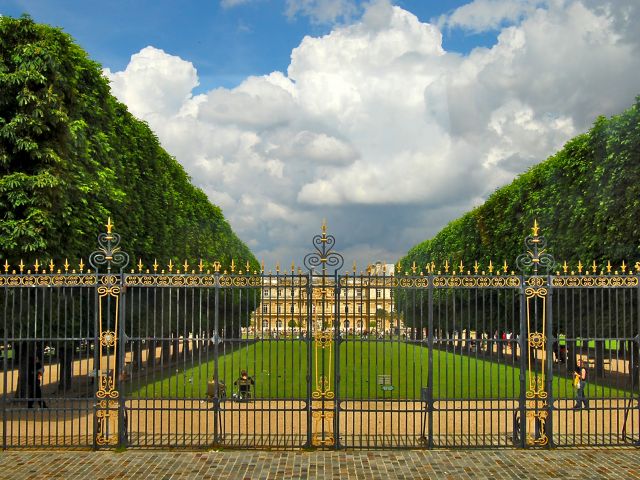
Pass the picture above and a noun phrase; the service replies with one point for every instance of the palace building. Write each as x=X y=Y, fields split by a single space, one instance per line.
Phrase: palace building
x=366 y=302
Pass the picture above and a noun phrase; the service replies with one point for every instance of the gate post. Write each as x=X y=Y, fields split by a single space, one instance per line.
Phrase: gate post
x=336 y=342
x=536 y=288
x=109 y=334
x=429 y=398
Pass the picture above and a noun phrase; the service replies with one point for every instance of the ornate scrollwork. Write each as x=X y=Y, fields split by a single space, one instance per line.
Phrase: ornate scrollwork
x=323 y=389
x=109 y=252
x=324 y=256
x=107 y=410
x=614 y=281
x=323 y=428
x=535 y=255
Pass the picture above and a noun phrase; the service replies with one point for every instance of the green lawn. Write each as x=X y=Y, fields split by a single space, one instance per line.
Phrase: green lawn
x=279 y=369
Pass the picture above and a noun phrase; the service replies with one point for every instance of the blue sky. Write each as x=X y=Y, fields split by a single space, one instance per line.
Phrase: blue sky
x=387 y=118
x=226 y=44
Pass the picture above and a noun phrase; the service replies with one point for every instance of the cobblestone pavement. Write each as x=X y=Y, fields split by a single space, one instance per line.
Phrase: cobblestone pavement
x=615 y=463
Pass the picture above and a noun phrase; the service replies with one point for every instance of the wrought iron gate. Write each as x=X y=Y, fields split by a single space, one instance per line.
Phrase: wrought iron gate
x=319 y=356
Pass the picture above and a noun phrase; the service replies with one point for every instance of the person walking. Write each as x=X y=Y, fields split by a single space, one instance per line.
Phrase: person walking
x=580 y=382
x=34 y=390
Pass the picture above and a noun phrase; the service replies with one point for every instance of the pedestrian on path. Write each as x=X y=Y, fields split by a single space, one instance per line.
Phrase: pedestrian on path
x=580 y=382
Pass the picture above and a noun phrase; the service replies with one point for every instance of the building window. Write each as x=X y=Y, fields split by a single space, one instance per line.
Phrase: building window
x=280 y=292
x=265 y=324
x=266 y=292
x=378 y=293
x=265 y=309
x=347 y=324
x=279 y=309
x=358 y=293
x=359 y=308
x=279 y=324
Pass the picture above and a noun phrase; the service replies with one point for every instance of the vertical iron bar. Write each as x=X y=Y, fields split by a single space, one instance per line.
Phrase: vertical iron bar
x=309 y=342
x=96 y=357
x=524 y=345
x=216 y=324
x=119 y=373
x=549 y=361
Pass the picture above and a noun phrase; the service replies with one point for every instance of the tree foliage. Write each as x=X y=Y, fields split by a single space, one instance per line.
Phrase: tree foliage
x=71 y=155
x=586 y=198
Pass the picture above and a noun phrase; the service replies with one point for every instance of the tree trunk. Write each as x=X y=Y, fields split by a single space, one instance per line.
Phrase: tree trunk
x=66 y=366
x=22 y=354
x=634 y=364
x=176 y=347
x=151 y=353
x=186 y=347
x=136 y=357
x=571 y=356
x=599 y=355
x=165 y=350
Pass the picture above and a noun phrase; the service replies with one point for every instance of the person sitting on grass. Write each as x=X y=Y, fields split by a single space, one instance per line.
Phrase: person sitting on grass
x=244 y=383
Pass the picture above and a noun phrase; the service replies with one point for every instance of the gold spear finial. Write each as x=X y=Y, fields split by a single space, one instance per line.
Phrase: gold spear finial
x=594 y=266
x=446 y=266
x=623 y=267
x=200 y=266
x=6 y=266
x=476 y=267
x=170 y=265
x=535 y=227
x=413 y=267
x=461 y=267
x=155 y=265
x=505 y=267
x=140 y=265
x=36 y=266
x=51 y=265
x=608 y=266
x=565 y=267
x=109 y=225
x=21 y=266
x=81 y=265
x=233 y=266
x=490 y=266
x=186 y=266
x=580 y=266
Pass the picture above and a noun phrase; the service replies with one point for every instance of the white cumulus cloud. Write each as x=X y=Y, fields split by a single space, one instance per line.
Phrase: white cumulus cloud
x=379 y=129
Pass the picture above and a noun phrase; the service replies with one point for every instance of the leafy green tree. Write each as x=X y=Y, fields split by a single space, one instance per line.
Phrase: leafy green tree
x=71 y=156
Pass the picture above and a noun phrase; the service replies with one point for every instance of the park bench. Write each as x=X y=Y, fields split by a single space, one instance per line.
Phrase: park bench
x=385 y=383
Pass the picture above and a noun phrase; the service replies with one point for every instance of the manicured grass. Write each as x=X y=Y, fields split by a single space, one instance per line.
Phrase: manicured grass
x=279 y=369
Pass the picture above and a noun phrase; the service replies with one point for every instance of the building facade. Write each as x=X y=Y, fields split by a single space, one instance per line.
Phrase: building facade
x=366 y=303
